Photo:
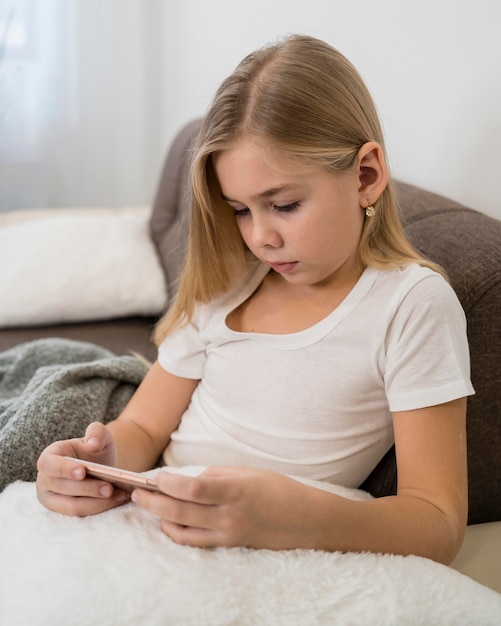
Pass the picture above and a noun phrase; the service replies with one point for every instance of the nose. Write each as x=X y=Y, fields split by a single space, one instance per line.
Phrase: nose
x=264 y=232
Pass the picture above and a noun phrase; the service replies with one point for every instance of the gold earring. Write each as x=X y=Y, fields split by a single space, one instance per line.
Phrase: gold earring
x=370 y=211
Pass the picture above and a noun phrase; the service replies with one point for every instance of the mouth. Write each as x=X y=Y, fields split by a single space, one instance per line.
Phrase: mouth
x=284 y=268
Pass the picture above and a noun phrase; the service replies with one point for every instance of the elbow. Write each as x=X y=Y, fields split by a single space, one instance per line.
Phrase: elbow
x=451 y=538
x=442 y=531
x=453 y=545
x=456 y=520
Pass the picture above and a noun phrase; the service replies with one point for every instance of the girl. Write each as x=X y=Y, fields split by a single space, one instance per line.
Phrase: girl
x=307 y=336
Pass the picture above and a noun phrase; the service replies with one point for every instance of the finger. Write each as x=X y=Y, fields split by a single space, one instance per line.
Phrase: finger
x=97 y=437
x=61 y=475
x=52 y=462
x=190 y=536
x=203 y=489
x=80 y=507
x=176 y=511
x=225 y=471
x=90 y=487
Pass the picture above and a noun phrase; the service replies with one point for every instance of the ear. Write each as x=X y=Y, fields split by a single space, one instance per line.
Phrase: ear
x=372 y=173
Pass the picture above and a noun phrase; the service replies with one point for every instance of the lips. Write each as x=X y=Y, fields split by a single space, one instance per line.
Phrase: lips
x=284 y=268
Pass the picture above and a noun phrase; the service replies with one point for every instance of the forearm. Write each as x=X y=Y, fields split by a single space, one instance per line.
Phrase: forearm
x=143 y=429
x=238 y=506
x=136 y=450
x=397 y=525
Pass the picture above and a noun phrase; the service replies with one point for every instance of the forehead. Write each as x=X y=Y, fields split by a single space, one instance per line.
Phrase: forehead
x=250 y=163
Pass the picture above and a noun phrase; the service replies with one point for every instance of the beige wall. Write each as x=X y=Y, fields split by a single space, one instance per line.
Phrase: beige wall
x=91 y=98
x=433 y=66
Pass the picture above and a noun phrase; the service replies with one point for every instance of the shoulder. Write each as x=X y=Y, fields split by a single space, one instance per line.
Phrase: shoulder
x=414 y=299
x=425 y=305
x=408 y=276
x=414 y=283
x=423 y=285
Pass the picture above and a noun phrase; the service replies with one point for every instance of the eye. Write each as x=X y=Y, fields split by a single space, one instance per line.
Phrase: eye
x=286 y=208
x=241 y=212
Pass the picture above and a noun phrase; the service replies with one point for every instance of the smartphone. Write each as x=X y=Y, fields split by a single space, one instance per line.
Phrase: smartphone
x=123 y=479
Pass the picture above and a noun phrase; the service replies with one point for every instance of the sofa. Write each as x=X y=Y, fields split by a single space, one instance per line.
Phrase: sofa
x=466 y=242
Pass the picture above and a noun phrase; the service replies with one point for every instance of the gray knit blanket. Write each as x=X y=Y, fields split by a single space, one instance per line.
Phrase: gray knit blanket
x=51 y=389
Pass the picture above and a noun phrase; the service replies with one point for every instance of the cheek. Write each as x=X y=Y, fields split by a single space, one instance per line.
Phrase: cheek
x=336 y=231
x=241 y=226
x=244 y=230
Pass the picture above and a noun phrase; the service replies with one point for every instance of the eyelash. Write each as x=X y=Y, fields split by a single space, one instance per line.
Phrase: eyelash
x=284 y=208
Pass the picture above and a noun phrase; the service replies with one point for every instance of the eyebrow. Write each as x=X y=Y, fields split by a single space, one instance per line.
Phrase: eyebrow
x=267 y=193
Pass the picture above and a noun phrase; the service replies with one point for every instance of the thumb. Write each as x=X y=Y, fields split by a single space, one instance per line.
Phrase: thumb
x=223 y=471
x=97 y=437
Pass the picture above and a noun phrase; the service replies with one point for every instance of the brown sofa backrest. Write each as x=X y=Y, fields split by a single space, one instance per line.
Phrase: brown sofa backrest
x=466 y=243
x=170 y=215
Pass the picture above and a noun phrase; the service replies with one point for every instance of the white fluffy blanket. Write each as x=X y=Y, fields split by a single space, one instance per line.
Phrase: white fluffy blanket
x=118 y=569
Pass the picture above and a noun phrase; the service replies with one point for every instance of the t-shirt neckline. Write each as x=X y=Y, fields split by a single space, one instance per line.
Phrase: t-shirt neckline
x=309 y=335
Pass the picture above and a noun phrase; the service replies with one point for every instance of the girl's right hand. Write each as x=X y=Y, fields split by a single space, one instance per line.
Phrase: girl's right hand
x=62 y=485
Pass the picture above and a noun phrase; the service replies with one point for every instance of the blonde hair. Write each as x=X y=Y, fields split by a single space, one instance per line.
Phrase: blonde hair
x=299 y=97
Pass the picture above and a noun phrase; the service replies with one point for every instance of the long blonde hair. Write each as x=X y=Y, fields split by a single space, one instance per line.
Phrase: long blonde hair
x=299 y=97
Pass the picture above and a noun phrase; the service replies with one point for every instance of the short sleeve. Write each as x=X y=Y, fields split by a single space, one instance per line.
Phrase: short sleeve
x=427 y=354
x=183 y=353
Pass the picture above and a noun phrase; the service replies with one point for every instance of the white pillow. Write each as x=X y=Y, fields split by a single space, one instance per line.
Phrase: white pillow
x=78 y=266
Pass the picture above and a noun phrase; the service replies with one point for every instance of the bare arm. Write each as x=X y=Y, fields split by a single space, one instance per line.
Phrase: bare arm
x=428 y=515
x=143 y=429
x=255 y=508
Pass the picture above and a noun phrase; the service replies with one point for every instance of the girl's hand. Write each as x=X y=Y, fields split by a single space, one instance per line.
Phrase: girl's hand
x=62 y=485
x=232 y=506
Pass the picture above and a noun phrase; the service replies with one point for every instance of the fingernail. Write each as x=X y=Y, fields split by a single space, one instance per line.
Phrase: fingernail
x=93 y=441
x=134 y=496
x=77 y=473
x=105 y=490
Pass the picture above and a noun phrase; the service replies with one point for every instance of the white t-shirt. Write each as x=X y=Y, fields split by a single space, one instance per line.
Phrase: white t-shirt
x=318 y=403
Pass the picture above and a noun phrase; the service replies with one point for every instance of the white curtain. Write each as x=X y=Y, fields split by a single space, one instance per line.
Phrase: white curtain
x=80 y=102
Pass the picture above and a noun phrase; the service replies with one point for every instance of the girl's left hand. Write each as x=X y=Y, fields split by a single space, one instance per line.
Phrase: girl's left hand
x=234 y=506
